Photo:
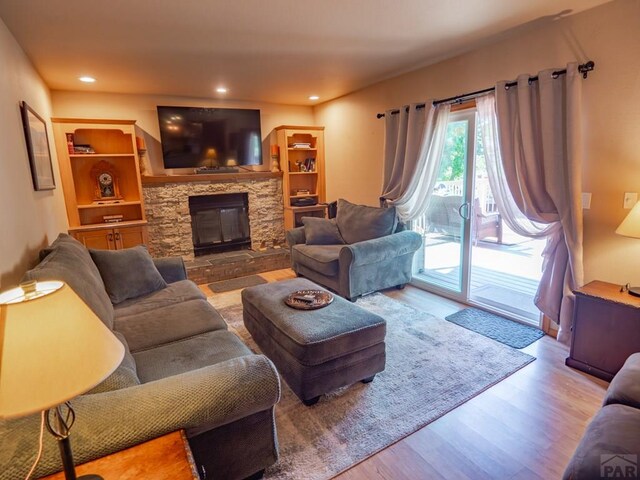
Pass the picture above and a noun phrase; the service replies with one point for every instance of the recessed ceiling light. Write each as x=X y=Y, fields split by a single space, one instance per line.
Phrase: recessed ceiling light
x=87 y=79
x=314 y=97
x=221 y=90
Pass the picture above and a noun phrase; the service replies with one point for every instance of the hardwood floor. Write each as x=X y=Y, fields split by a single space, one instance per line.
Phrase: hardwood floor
x=525 y=427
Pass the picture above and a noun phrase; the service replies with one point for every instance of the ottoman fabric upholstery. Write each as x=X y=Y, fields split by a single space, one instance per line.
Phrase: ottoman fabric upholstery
x=316 y=351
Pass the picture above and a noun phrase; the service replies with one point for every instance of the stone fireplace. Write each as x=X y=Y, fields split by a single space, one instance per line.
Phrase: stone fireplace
x=170 y=220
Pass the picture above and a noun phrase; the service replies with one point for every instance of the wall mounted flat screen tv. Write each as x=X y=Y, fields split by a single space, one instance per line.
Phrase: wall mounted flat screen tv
x=194 y=137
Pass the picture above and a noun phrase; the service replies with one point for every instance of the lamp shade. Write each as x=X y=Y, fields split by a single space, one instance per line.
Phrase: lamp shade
x=630 y=226
x=52 y=348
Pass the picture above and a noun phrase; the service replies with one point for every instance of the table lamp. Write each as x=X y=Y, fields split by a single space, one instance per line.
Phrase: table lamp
x=630 y=227
x=52 y=349
x=211 y=157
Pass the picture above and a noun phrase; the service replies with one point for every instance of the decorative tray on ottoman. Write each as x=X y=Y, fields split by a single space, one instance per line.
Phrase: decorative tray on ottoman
x=309 y=299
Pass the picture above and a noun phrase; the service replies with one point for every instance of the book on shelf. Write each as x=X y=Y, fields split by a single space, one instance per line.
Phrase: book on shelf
x=112 y=218
x=83 y=149
x=300 y=145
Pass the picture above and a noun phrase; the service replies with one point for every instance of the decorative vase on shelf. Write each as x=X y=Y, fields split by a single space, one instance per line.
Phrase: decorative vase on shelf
x=142 y=150
x=275 y=154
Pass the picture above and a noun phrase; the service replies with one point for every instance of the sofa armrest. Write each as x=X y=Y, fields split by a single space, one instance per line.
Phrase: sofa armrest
x=611 y=433
x=108 y=422
x=625 y=386
x=378 y=249
x=172 y=269
x=295 y=236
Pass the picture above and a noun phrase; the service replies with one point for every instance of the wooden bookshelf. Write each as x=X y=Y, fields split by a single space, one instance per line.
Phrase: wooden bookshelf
x=113 y=144
x=294 y=162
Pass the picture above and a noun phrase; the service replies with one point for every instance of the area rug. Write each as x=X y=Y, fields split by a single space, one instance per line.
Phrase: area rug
x=498 y=328
x=432 y=367
x=236 y=283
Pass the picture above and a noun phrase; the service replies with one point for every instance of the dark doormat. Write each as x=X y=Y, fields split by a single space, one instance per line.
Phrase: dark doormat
x=236 y=283
x=496 y=327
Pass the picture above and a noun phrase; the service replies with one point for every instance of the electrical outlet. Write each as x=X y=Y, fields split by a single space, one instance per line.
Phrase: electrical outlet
x=586 y=200
x=630 y=199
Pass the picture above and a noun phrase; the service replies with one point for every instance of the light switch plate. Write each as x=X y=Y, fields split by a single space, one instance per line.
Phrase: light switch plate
x=586 y=200
x=630 y=199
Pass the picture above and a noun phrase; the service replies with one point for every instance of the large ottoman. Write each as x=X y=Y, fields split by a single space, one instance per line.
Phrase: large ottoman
x=315 y=351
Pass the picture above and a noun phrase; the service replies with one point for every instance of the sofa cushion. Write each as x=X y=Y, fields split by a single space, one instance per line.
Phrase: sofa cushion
x=625 y=386
x=358 y=223
x=320 y=258
x=613 y=432
x=189 y=354
x=321 y=231
x=124 y=376
x=177 y=292
x=68 y=260
x=151 y=328
x=128 y=273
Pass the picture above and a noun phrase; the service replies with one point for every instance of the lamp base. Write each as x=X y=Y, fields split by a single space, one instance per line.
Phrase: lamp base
x=59 y=428
x=635 y=291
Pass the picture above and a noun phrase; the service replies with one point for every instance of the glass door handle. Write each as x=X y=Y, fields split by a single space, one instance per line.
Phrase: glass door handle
x=466 y=215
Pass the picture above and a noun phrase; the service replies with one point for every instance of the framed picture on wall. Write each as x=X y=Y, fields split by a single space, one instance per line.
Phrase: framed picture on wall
x=35 y=134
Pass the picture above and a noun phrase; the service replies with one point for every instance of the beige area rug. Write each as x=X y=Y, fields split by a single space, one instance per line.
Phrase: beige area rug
x=432 y=367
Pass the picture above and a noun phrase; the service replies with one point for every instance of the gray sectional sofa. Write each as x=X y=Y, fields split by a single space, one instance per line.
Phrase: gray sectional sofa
x=182 y=370
x=610 y=446
x=362 y=250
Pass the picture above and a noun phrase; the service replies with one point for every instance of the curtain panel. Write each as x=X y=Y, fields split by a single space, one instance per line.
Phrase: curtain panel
x=539 y=133
x=414 y=140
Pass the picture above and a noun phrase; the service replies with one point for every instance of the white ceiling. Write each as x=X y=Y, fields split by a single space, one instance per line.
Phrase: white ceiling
x=278 y=51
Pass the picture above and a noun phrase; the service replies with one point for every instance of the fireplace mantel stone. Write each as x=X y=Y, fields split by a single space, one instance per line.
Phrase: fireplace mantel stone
x=167 y=210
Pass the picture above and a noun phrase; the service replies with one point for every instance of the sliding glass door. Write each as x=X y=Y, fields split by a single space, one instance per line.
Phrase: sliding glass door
x=469 y=253
x=442 y=263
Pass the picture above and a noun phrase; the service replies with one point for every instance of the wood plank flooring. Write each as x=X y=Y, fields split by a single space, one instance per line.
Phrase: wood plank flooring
x=525 y=427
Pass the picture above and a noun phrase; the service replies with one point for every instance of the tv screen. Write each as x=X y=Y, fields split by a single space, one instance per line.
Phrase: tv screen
x=209 y=137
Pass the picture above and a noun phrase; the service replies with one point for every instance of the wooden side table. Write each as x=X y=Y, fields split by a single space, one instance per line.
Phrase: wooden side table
x=606 y=329
x=163 y=458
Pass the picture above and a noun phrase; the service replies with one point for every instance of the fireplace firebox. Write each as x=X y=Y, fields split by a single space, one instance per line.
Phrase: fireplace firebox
x=219 y=222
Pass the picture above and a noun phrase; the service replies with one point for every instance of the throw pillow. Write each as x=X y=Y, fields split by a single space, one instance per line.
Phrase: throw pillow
x=128 y=273
x=321 y=231
x=358 y=223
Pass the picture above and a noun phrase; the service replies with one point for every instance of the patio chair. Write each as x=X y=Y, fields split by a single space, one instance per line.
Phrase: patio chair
x=486 y=225
x=443 y=216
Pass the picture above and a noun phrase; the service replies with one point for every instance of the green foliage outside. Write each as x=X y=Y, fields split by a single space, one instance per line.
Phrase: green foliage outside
x=455 y=152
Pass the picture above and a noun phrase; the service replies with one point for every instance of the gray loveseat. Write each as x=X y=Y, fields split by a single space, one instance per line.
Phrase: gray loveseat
x=362 y=250
x=182 y=370
x=610 y=446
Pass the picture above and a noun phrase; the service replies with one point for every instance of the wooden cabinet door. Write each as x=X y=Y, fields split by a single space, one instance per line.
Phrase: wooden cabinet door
x=103 y=239
x=130 y=236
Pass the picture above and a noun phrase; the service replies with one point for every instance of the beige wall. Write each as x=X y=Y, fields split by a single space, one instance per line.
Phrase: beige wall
x=608 y=35
x=142 y=108
x=28 y=219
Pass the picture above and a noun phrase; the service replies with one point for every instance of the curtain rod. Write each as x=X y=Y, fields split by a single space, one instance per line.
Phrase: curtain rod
x=584 y=69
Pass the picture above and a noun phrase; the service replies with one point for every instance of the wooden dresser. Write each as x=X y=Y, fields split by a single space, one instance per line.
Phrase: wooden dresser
x=606 y=329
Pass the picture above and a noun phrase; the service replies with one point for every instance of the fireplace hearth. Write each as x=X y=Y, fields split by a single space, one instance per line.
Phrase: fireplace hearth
x=219 y=222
